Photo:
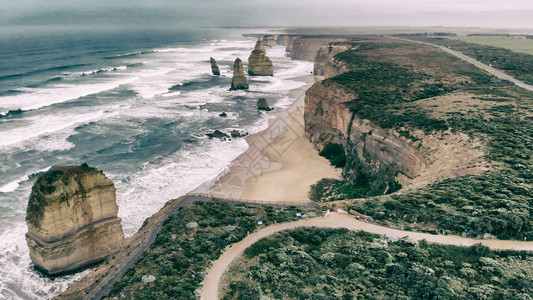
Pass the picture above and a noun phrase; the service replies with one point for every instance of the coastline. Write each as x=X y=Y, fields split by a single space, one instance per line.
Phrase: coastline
x=280 y=164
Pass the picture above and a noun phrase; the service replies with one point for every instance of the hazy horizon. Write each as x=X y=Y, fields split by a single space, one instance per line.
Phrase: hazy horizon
x=186 y=13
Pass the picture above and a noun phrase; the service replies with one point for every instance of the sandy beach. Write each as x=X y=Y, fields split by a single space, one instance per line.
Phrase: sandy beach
x=281 y=164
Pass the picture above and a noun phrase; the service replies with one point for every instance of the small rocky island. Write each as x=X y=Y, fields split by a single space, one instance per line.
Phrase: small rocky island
x=239 y=81
x=214 y=67
x=258 y=63
x=72 y=219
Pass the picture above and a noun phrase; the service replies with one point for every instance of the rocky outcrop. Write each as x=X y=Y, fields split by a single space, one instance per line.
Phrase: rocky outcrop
x=305 y=47
x=217 y=134
x=375 y=153
x=269 y=41
x=214 y=67
x=258 y=63
x=72 y=219
x=287 y=40
x=239 y=81
x=262 y=104
x=325 y=64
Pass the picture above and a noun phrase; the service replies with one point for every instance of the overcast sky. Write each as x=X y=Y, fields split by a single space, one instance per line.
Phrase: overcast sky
x=175 y=13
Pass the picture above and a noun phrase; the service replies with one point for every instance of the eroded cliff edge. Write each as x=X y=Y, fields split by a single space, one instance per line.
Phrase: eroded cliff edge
x=384 y=158
x=379 y=155
x=72 y=219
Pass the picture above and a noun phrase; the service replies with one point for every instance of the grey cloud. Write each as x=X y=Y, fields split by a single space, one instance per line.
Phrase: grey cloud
x=169 y=13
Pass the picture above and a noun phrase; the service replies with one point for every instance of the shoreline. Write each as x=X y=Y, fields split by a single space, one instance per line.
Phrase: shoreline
x=280 y=164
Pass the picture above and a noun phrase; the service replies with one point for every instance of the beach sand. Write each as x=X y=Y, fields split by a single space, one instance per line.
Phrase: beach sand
x=281 y=164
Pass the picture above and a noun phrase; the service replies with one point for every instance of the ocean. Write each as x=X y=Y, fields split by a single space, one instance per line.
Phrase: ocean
x=136 y=105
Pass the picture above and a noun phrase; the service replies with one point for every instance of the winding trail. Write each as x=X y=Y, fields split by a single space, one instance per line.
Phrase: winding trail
x=476 y=63
x=339 y=220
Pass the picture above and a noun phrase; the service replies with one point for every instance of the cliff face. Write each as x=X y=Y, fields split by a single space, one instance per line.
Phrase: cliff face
x=375 y=153
x=258 y=63
x=325 y=64
x=239 y=81
x=302 y=47
x=72 y=219
x=269 y=41
x=214 y=67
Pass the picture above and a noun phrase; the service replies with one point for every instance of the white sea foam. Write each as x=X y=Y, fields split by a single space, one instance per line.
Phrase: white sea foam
x=19 y=279
x=13 y=185
x=147 y=191
x=142 y=193
x=41 y=125
x=42 y=97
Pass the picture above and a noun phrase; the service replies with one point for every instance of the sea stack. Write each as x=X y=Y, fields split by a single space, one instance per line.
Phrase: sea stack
x=214 y=67
x=262 y=104
x=72 y=219
x=239 y=81
x=258 y=63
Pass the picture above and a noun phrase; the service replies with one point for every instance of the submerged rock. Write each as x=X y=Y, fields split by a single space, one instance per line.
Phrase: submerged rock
x=239 y=81
x=262 y=104
x=72 y=219
x=214 y=67
x=258 y=63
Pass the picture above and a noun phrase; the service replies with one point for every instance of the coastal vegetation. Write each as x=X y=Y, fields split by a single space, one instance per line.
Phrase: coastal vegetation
x=518 y=65
x=401 y=87
x=180 y=257
x=315 y=263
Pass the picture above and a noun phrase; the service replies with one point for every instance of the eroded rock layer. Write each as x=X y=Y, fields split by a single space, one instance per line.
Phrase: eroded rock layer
x=239 y=81
x=269 y=41
x=72 y=219
x=214 y=67
x=372 y=151
x=259 y=64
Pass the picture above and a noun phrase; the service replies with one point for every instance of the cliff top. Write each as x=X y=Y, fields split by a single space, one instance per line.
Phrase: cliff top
x=45 y=185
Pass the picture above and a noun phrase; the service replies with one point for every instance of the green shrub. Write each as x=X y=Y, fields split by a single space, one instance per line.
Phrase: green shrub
x=359 y=265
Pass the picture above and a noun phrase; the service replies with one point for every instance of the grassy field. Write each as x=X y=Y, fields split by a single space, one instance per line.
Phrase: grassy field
x=517 y=45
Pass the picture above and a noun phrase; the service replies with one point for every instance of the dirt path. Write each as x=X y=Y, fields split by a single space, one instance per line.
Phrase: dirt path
x=476 y=63
x=339 y=220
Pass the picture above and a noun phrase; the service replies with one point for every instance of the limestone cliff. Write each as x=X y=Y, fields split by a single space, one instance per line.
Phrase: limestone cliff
x=325 y=64
x=214 y=67
x=258 y=63
x=372 y=152
x=239 y=81
x=305 y=47
x=385 y=157
x=269 y=41
x=72 y=219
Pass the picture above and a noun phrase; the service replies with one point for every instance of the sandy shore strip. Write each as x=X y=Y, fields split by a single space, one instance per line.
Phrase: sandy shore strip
x=281 y=164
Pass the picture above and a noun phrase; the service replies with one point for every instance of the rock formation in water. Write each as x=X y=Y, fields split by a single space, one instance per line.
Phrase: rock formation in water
x=262 y=104
x=239 y=81
x=214 y=67
x=258 y=63
x=269 y=41
x=217 y=134
x=72 y=219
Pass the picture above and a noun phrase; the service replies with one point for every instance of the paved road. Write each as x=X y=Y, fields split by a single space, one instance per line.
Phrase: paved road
x=339 y=220
x=476 y=63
